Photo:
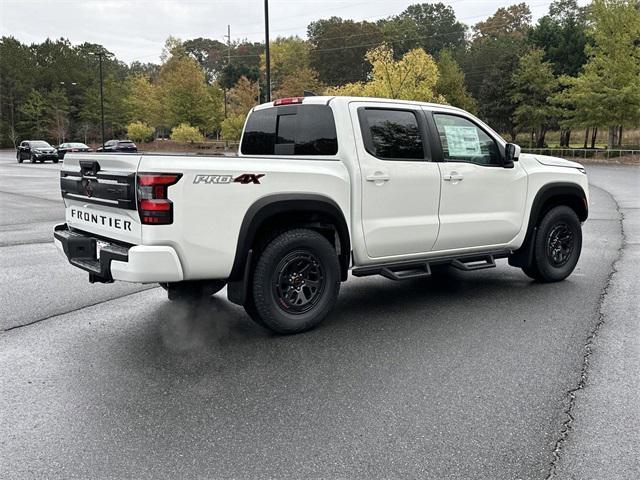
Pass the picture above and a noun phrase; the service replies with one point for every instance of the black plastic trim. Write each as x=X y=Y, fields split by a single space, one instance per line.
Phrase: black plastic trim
x=524 y=255
x=267 y=207
x=80 y=249
x=422 y=267
x=120 y=194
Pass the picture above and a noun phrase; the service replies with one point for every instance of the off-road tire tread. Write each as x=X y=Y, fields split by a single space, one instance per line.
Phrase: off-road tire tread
x=541 y=268
x=265 y=308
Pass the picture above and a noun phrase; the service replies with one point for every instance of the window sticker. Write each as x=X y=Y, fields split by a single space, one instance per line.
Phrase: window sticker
x=462 y=141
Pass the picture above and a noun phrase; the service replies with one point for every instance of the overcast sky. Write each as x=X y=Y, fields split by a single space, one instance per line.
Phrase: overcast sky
x=137 y=29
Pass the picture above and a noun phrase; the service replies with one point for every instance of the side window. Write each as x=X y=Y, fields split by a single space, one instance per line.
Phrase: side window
x=392 y=134
x=291 y=130
x=463 y=141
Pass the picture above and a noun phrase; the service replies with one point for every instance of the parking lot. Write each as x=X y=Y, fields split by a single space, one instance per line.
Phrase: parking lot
x=462 y=375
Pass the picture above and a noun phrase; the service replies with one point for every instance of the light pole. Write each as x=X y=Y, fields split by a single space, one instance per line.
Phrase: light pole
x=266 y=49
x=100 y=55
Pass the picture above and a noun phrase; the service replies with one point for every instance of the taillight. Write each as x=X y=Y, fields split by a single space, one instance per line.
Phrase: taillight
x=288 y=101
x=154 y=206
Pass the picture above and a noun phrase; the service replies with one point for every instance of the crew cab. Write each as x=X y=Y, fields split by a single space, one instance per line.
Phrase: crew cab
x=322 y=187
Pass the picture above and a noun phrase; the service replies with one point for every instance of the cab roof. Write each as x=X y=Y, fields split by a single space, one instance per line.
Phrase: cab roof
x=329 y=99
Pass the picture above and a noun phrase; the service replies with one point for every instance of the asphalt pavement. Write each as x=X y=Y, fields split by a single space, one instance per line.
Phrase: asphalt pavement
x=464 y=375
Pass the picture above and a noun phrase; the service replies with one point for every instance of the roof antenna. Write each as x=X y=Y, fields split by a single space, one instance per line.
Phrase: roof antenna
x=309 y=93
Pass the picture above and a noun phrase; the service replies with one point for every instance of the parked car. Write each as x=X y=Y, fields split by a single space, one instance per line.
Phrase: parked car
x=36 y=151
x=323 y=186
x=118 y=146
x=70 y=147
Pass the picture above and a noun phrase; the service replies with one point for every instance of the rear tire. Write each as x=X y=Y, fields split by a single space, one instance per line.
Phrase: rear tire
x=19 y=158
x=193 y=290
x=558 y=243
x=33 y=159
x=296 y=282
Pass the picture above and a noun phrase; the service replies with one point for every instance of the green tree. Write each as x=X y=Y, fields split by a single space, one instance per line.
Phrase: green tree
x=185 y=96
x=413 y=77
x=143 y=101
x=244 y=62
x=17 y=73
x=451 y=83
x=513 y=21
x=562 y=34
x=338 y=49
x=34 y=111
x=430 y=26
x=232 y=127
x=288 y=56
x=243 y=96
x=185 y=133
x=401 y=32
x=139 y=132
x=58 y=115
x=212 y=55
x=295 y=84
x=533 y=86
x=607 y=91
x=490 y=61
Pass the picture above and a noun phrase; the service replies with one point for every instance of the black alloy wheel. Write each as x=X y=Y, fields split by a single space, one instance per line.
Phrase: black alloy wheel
x=560 y=244
x=300 y=282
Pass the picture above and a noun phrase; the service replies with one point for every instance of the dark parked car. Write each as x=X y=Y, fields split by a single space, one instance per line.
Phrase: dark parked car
x=70 y=147
x=36 y=151
x=118 y=146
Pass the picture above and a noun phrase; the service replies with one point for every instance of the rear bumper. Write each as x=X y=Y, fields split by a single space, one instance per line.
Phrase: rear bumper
x=137 y=264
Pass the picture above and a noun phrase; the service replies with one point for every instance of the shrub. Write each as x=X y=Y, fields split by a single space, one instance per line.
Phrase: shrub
x=185 y=133
x=232 y=127
x=139 y=132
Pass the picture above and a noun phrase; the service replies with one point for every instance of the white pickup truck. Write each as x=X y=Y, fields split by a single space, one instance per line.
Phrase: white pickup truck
x=323 y=186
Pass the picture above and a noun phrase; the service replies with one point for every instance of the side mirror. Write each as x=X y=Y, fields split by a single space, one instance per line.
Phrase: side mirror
x=511 y=154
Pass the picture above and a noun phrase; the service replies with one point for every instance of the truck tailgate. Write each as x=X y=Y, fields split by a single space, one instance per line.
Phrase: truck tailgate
x=99 y=192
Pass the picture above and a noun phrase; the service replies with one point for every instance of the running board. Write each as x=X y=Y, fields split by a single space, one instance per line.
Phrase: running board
x=422 y=268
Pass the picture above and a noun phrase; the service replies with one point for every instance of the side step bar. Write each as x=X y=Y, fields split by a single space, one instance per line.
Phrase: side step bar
x=422 y=268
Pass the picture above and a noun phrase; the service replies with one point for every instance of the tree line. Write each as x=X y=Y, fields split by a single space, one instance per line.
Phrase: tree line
x=575 y=69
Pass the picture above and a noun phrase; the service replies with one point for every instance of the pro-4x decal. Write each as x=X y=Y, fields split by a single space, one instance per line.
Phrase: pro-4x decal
x=244 y=179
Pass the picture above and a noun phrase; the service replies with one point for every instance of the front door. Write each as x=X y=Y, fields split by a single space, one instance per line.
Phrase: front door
x=481 y=202
x=400 y=184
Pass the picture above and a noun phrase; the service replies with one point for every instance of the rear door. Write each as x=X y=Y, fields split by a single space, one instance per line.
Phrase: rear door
x=99 y=192
x=481 y=202
x=400 y=183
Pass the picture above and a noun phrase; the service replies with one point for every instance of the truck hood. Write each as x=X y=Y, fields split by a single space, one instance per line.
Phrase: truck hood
x=556 y=162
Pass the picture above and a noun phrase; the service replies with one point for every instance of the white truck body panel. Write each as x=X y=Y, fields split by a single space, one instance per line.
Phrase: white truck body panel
x=394 y=210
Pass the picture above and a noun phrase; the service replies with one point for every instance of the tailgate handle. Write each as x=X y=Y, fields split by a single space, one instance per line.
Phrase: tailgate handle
x=89 y=167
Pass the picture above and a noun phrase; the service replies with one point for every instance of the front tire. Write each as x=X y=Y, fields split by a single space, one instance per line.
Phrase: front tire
x=296 y=282
x=558 y=243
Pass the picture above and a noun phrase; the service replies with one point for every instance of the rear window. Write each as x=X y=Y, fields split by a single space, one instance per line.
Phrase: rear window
x=391 y=134
x=291 y=130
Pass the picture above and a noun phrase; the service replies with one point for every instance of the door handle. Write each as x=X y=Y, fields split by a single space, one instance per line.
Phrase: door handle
x=377 y=177
x=453 y=177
